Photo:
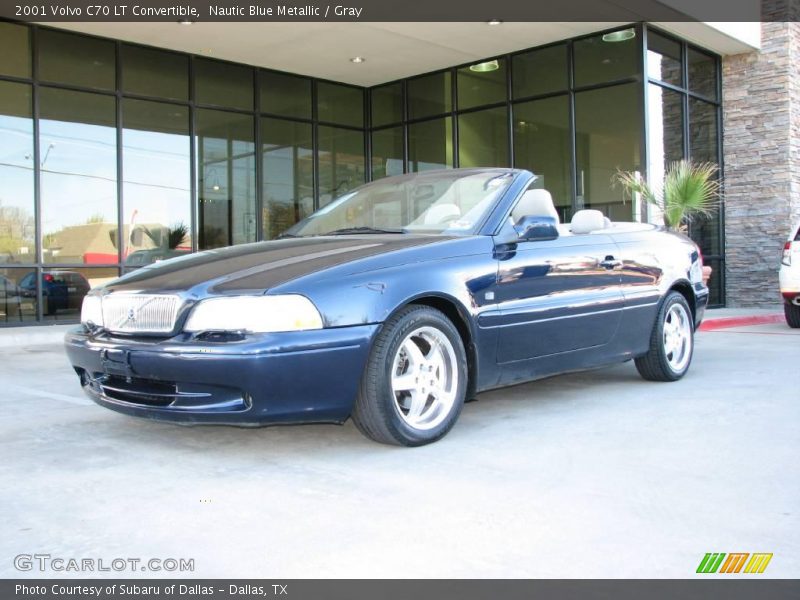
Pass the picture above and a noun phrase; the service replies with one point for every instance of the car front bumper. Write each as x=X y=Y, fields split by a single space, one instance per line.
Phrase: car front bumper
x=701 y=295
x=296 y=377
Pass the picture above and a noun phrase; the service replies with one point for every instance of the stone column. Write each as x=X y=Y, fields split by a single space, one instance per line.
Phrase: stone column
x=761 y=145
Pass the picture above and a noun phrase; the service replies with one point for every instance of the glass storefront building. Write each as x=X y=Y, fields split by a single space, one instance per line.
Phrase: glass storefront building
x=116 y=155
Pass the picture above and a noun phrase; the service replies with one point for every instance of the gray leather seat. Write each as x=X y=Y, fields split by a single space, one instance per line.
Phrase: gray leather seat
x=588 y=220
x=535 y=203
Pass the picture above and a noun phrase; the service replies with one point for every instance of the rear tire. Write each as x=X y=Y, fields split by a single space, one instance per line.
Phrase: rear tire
x=414 y=384
x=792 y=314
x=671 y=342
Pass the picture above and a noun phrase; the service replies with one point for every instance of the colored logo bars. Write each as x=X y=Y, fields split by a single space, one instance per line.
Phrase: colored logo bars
x=713 y=562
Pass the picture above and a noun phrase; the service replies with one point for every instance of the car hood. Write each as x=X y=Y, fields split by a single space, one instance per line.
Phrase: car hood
x=263 y=265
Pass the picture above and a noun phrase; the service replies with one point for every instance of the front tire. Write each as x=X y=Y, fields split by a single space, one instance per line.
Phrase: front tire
x=415 y=381
x=671 y=342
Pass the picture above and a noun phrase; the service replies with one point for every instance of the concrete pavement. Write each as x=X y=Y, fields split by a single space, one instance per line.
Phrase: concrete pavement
x=598 y=474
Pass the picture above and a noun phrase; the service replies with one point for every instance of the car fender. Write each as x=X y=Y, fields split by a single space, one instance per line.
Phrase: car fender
x=373 y=296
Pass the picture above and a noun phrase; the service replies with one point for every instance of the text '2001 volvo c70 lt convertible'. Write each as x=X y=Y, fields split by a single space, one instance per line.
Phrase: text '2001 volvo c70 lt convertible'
x=392 y=305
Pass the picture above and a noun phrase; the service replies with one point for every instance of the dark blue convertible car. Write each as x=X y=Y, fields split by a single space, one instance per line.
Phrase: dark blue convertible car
x=392 y=305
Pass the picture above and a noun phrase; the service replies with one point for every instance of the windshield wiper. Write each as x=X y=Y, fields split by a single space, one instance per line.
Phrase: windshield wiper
x=284 y=236
x=355 y=230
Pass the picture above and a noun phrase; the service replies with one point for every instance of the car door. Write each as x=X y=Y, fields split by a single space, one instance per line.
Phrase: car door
x=642 y=276
x=557 y=295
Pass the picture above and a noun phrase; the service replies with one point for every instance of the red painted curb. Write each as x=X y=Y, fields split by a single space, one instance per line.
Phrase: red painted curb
x=726 y=322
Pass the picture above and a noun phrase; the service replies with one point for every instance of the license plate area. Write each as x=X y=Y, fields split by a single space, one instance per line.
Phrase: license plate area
x=116 y=362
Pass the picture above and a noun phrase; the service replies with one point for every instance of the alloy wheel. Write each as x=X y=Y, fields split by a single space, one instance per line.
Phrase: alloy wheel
x=677 y=337
x=424 y=378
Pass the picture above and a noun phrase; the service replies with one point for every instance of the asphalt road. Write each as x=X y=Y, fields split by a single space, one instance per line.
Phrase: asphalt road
x=598 y=474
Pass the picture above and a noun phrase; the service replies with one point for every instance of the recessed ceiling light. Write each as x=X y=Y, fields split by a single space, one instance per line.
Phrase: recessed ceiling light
x=186 y=22
x=485 y=67
x=494 y=22
x=619 y=36
x=357 y=59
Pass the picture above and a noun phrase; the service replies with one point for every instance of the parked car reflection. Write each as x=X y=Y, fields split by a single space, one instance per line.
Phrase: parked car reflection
x=10 y=299
x=61 y=290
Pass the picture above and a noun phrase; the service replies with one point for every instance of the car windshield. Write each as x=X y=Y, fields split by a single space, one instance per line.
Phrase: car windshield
x=443 y=202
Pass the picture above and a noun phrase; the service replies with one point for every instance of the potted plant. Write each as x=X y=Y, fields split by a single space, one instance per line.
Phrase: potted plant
x=688 y=190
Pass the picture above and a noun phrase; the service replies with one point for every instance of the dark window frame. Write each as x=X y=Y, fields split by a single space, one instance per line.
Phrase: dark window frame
x=686 y=95
x=509 y=102
x=35 y=263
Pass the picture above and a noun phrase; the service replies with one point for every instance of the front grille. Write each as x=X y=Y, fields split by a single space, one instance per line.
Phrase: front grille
x=140 y=313
x=138 y=391
x=170 y=395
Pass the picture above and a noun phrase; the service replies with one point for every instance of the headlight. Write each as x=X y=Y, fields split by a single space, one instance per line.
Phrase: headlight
x=92 y=311
x=262 y=314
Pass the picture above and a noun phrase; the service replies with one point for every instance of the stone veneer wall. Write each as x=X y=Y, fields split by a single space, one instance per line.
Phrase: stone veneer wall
x=761 y=145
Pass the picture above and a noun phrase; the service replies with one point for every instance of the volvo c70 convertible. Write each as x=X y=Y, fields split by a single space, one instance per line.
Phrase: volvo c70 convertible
x=392 y=305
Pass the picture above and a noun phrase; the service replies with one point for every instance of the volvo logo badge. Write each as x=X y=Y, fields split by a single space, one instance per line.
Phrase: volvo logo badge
x=131 y=315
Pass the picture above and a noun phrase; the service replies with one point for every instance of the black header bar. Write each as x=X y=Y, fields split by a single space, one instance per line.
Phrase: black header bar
x=608 y=11
x=710 y=588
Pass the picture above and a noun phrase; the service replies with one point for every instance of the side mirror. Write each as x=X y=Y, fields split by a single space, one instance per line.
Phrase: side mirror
x=536 y=229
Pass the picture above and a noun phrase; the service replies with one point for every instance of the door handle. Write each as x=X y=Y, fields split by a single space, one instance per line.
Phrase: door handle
x=610 y=263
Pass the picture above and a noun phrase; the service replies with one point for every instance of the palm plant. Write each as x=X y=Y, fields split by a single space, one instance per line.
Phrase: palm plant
x=688 y=190
x=177 y=235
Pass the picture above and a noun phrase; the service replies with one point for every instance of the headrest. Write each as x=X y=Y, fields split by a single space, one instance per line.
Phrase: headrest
x=535 y=203
x=441 y=213
x=587 y=220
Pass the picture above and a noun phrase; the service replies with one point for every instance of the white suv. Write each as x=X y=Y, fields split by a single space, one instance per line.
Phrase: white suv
x=789 y=276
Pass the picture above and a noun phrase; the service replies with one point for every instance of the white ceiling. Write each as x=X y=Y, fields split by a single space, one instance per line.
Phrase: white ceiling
x=391 y=50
